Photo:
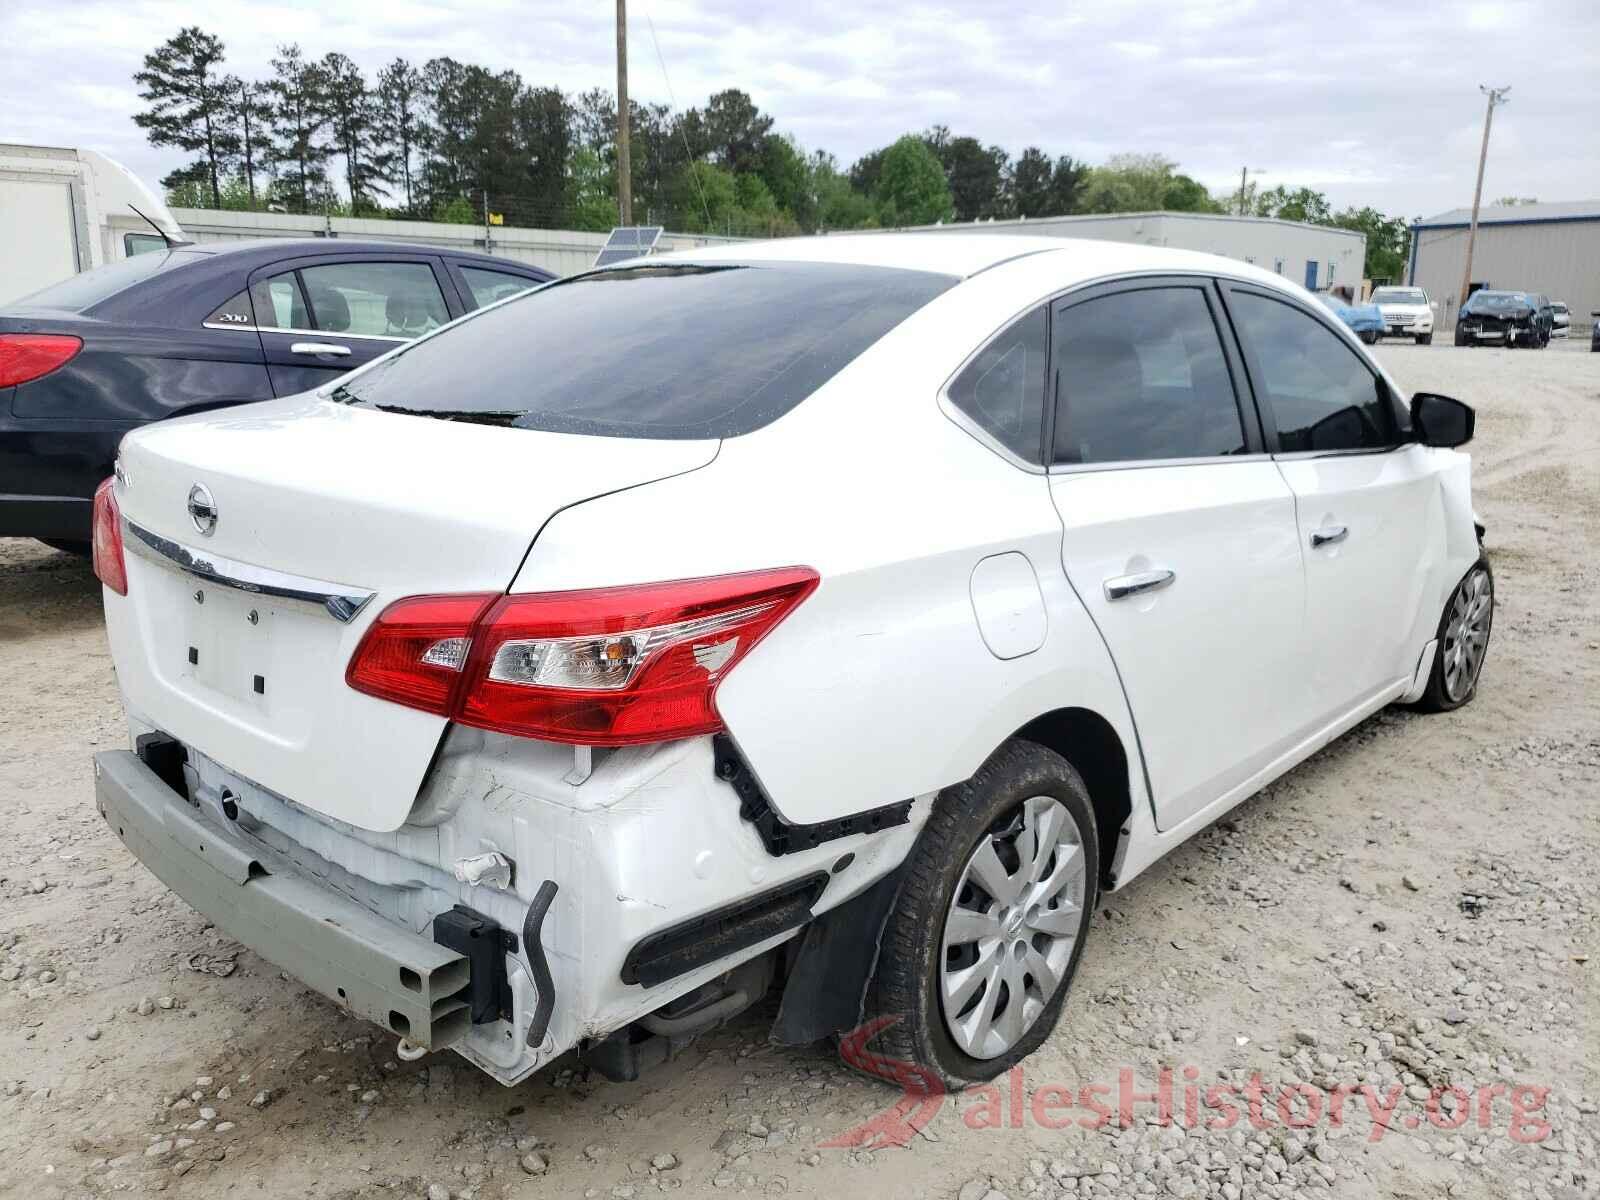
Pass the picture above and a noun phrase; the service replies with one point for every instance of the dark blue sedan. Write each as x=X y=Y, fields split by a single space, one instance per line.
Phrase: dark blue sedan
x=199 y=327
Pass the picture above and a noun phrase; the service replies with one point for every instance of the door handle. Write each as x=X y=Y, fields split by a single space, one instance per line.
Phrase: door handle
x=320 y=348
x=1328 y=535
x=1120 y=587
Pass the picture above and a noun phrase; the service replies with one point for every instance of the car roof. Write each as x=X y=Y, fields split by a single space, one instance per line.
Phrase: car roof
x=270 y=249
x=967 y=254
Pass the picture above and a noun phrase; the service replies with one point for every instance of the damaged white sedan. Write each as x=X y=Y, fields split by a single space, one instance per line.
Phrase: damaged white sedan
x=837 y=615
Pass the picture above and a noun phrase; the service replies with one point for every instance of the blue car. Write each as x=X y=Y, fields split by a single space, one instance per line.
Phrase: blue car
x=1365 y=319
x=200 y=327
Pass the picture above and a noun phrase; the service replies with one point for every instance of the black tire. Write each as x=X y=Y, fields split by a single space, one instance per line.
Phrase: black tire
x=905 y=988
x=1461 y=338
x=1437 y=697
x=1424 y=339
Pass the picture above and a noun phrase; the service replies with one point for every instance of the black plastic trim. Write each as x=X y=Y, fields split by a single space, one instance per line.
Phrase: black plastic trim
x=779 y=836
x=681 y=948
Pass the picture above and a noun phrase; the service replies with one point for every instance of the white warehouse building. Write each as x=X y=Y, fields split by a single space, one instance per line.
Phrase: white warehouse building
x=1318 y=256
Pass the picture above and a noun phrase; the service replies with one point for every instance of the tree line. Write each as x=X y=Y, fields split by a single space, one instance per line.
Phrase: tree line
x=454 y=141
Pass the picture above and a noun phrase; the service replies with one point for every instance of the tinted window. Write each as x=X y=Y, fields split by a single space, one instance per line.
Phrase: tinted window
x=1322 y=396
x=1141 y=375
x=235 y=312
x=676 y=351
x=375 y=299
x=279 y=303
x=489 y=286
x=142 y=243
x=91 y=287
x=1002 y=389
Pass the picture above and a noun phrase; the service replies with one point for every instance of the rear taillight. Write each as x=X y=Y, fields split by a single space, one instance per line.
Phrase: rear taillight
x=109 y=565
x=26 y=356
x=602 y=667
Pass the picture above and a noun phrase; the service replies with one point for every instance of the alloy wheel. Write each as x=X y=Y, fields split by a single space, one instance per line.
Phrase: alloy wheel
x=1011 y=926
x=1466 y=634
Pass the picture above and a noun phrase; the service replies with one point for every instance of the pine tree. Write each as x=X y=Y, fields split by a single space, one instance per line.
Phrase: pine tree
x=190 y=105
x=251 y=112
x=352 y=119
x=402 y=126
x=299 y=123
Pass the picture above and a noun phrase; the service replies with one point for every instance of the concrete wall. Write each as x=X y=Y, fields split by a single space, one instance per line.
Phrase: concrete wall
x=563 y=251
x=1284 y=246
x=1559 y=258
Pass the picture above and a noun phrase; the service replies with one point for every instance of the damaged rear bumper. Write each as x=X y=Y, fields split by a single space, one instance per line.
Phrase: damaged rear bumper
x=361 y=962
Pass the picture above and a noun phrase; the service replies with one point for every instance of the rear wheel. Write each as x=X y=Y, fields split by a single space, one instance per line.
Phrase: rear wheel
x=1424 y=339
x=993 y=909
x=1463 y=641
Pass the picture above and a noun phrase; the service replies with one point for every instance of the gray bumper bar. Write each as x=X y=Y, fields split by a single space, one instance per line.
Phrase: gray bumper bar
x=376 y=970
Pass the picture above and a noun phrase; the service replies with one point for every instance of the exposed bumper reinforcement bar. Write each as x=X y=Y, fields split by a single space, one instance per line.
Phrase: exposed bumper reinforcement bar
x=398 y=979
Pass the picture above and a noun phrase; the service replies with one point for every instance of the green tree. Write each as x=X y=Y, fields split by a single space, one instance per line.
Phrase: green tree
x=911 y=186
x=839 y=206
x=253 y=109
x=191 y=106
x=736 y=130
x=401 y=125
x=1297 y=204
x=974 y=172
x=593 y=196
x=299 y=127
x=1128 y=183
x=1388 y=240
x=1031 y=177
x=352 y=121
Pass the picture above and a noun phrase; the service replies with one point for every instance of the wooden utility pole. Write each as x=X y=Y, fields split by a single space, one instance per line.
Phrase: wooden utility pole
x=624 y=172
x=1243 y=172
x=1497 y=96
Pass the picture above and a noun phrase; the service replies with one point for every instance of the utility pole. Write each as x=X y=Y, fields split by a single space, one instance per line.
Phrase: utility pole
x=624 y=173
x=1244 y=174
x=1497 y=96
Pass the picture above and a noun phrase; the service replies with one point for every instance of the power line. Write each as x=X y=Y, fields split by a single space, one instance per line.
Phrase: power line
x=673 y=100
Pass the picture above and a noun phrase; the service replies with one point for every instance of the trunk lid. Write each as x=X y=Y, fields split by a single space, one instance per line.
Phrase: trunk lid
x=317 y=498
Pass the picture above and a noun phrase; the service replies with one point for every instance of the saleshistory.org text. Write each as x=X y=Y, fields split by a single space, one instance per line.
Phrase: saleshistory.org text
x=1177 y=1097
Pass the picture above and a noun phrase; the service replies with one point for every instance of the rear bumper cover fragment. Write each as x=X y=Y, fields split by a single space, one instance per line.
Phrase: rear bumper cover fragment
x=396 y=978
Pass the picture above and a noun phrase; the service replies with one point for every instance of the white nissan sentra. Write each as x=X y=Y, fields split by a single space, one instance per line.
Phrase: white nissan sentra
x=835 y=615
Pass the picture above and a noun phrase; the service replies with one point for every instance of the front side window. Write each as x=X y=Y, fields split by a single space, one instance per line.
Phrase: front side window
x=1141 y=375
x=488 y=287
x=1321 y=395
x=1002 y=389
x=375 y=299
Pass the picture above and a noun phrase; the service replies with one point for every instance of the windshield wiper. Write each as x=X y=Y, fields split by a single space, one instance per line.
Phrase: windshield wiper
x=509 y=416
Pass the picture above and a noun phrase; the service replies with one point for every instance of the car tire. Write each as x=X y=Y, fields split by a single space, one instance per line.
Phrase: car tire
x=1461 y=339
x=1454 y=682
x=1424 y=339
x=976 y=829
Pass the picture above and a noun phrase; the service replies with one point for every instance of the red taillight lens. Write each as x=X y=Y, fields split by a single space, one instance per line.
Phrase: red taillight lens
x=26 y=356
x=602 y=667
x=110 y=568
x=414 y=652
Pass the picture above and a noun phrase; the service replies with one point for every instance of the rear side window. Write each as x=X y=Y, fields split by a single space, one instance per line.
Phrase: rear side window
x=669 y=351
x=487 y=287
x=1142 y=376
x=375 y=299
x=279 y=303
x=1322 y=396
x=1002 y=389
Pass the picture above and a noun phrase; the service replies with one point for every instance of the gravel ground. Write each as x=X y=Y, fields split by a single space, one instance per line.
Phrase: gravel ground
x=1413 y=908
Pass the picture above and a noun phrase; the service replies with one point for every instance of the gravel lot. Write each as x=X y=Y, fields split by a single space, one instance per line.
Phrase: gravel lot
x=1413 y=908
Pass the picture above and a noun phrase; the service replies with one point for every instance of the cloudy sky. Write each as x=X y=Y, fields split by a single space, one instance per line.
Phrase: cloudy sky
x=1373 y=103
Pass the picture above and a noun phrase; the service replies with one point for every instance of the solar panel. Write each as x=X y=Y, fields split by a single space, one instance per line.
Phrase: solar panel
x=628 y=241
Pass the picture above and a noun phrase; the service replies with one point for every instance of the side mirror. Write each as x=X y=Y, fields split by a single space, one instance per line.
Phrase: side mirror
x=1441 y=421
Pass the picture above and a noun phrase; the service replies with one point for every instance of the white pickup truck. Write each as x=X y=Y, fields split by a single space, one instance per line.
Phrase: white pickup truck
x=1407 y=312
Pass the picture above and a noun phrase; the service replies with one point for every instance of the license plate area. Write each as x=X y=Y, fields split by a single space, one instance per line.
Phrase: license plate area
x=229 y=644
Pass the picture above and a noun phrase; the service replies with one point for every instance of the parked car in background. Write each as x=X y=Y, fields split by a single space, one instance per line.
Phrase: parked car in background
x=1545 y=316
x=571 y=677
x=1506 y=318
x=1561 y=319
x=1594 y=333
x=1365 y=320
x=1406 y=311
x=200 y=327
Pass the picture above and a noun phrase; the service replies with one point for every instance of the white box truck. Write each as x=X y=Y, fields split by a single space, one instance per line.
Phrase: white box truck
x=63 y=211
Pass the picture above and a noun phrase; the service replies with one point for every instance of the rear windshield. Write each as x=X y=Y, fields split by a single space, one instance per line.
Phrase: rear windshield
x=1499 y=300
x=668 y=351
x=78 y=292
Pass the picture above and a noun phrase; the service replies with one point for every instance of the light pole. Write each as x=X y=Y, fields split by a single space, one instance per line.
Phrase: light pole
x=1497 y=96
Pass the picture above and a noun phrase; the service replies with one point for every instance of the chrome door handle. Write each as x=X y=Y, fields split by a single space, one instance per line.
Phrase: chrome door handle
x=320 y=348
x=1120 y=587
x=1328 y=535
